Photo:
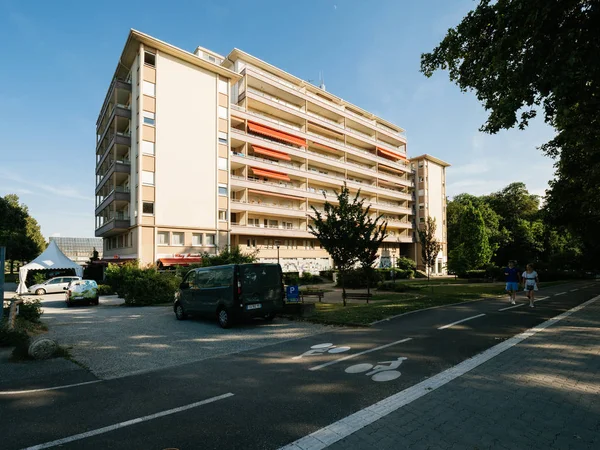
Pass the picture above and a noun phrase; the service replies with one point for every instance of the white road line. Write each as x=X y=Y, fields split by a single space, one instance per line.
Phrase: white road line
x=460 y=321
x=560 y=293
x=574 y=290
x=30 y=391
x=337 y=431
x=127 y=423
x=540 y=299
x=345 y=358
x=512 y=307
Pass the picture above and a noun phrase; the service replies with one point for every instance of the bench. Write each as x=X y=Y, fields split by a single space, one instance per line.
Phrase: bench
x=358 y=296
x=319 y=294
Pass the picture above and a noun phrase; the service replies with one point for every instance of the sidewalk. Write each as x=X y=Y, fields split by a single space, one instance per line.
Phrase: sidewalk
x=544 y=393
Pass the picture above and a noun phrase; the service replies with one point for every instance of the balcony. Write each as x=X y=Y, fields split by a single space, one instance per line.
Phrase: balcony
x=120 y=170
x=266 y=207
x=119 y=195
x=115 y=223
x=279 y=230
x=117 y=86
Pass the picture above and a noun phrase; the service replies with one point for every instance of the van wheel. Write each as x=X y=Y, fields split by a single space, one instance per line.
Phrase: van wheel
x=69 y=304
x=179 y=312
x=269 y=317
x=40 y=291
x=223 y=318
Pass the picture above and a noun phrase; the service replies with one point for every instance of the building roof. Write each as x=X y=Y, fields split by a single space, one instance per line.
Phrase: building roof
x=130 y=51
x=236 y=53
x=432 y=159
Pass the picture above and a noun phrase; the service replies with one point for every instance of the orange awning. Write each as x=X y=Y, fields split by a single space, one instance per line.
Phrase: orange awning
x=266 y=131
x=272 y=194
x=269 y=174
x=271 y=153
x=180 y=261
x=390 y=154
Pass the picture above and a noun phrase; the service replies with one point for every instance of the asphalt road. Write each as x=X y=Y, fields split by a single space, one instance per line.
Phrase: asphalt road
x=268 y=397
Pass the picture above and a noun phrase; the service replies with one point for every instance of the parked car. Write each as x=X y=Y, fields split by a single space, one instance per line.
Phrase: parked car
x=84 y=291
x=231 y=292
x=51 y=286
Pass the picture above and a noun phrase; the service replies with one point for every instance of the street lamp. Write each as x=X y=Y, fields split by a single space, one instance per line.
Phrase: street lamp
x=277 y=243
x=393 y=253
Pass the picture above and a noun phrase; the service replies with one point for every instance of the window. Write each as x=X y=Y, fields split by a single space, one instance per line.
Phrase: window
x=162 y=238
x=210 y=240
x=177 y=239
x=147 y=178
x=253 y=222
x=222 y=112
x=149 y=89
x=223 y=189
x=197 y=239
x=251 y=243
x=421 y=207
x=148 y=208
x=420 y=179
x=223 y=163
x=149 y=118
x=223 y=86
x=150 y=59
x=223 y=215
x=421 y=220
x=148 y=147
x=222 y=137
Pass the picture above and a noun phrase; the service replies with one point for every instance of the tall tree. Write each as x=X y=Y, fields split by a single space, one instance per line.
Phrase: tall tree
x=430 y=247
x=520 y=56
x=473 y=250
x=374 y=232
x=341 y=229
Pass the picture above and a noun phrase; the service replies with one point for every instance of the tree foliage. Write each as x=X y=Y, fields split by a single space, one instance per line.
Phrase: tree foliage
x=522 y=56
x=347 y=232
x=430 y=247
x=472 y=249
x=373 y=232
x=19 y=232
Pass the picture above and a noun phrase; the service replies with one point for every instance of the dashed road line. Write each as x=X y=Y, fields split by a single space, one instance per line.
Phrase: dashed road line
x=460 y=321
x=54 y=388
x=337 y=431
x=560 y=293
x=540 y=299
x=345 y=358
x=87 y=434
x=512 y=307
x=574 y=290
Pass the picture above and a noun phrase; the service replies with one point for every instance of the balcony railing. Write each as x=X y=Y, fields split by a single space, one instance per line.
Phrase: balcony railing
x=268 y=204
x=269 y=161
x=272 y=227
x=275 y=99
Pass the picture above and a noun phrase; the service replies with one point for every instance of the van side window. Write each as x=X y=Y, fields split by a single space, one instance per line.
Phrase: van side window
x=202 y=280
x=191 y=280
x=223 y=277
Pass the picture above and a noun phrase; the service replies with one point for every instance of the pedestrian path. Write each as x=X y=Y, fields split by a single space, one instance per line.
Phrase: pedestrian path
x=543 y=393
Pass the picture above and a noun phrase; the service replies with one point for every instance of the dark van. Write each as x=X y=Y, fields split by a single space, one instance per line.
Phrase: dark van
x=231 y=292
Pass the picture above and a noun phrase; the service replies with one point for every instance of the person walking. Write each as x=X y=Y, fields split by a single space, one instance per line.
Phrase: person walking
x=531 y=281
x=512 y=281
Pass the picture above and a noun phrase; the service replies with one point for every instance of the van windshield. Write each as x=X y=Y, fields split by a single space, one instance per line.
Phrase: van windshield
x=259 y=279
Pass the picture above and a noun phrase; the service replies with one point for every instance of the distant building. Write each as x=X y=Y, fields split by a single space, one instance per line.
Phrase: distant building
x=79 y=249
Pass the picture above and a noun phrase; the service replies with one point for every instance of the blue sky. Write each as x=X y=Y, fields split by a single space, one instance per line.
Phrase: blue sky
x=59 y=58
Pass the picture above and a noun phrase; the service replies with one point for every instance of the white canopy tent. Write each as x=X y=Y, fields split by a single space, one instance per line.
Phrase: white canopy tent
x=50 y=259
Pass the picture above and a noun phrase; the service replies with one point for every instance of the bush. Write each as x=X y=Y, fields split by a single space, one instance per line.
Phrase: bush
x=291 y=278
x=141 y=287
x=399 y=274
x=327 y=274
x=12 y=338
x=39 y=277
x=397 y=287
x=475 y=274
x=405 y=263
x=357 y=279
x=30 y=310
x=309 y=278
x=105 y=289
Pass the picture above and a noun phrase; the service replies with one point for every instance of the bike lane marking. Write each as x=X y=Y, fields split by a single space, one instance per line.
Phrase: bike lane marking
x=345 y=358
x=443 y=327
x=31 y=391
x=343 y=428
x=512 y=307
x=116 y=426
x=560 y=293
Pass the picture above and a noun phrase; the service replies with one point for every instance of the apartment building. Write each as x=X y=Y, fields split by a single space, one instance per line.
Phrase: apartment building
x=430 y=201
x=197 y=151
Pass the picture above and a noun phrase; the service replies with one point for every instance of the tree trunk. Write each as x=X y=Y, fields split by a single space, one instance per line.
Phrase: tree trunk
x=368 y=288
x=343 y=281
x=12 y=266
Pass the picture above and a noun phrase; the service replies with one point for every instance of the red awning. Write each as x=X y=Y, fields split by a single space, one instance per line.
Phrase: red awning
x=179 y=261
x=266 y=131
x=269 y=174
x=271 y=153
x=390 y=154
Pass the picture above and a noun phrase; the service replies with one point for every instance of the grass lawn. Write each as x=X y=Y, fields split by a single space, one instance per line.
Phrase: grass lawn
x=388 y=304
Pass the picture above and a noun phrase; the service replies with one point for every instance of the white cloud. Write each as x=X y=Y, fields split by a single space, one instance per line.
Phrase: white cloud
x=60 y=191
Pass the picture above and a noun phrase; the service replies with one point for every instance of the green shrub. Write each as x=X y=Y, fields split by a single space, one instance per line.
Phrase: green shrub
x=39 y=277
x=474 y=274
x=309 y=278
x=399 y=274
x=357 y=279
x=105 y=289
x=31 y=310
x=12 y=338
x=142 y=287
x=327 y=274
x=291 y=278
x=397 y=287
x=405 y=263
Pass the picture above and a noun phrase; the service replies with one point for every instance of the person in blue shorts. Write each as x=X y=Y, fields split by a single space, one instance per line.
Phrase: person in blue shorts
x=512 y=281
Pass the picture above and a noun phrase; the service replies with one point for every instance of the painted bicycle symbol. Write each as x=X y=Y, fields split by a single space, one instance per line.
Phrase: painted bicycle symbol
x=320 y=349
x=379 y=372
